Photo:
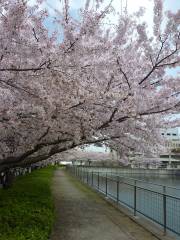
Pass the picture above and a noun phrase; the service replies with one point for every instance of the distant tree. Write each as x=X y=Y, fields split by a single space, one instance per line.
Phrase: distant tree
x=88 y=83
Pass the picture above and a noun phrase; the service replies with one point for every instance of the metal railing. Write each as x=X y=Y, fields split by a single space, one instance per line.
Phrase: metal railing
x=159 y=207
x=171 y=190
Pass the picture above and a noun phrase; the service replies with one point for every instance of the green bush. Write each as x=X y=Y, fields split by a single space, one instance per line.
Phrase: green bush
x=26 y=209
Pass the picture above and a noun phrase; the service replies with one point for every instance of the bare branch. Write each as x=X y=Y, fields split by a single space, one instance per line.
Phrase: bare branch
x=124 y=74
x=18 y=88
x=158 y=64
x=151 y=61
x=168 y=64
x=44 y=134
x=161 y=48
x=20 y=69
x=76 y=105
x=109 y=84
x=168 y=56
x=34 y=33
x=155 y=111
x=106 y=124
x=105 y=10
x=71 y=46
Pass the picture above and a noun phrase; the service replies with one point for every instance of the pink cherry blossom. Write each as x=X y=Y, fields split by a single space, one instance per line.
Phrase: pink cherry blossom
x=97 y=84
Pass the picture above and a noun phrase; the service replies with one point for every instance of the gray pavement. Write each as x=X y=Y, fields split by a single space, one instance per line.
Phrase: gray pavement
x=81 y=214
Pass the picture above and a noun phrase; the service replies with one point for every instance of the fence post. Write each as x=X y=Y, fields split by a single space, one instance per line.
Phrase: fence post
x=135 y=196
x=106 y=184
x=164 y=189
x=117 y=197
x=98 y=180
x=87 y=177
x=164 y=212
x=92 y=179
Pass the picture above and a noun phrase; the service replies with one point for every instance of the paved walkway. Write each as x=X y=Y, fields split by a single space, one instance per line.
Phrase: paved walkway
x=83 y=215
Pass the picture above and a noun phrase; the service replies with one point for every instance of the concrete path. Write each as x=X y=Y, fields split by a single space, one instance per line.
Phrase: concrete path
x=83 y=215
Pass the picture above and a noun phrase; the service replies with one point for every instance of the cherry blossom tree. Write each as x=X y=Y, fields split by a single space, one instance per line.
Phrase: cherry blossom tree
x=86 y=82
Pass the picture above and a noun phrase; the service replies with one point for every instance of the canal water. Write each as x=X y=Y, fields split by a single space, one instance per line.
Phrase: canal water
x=170 y=182
x=148 y=179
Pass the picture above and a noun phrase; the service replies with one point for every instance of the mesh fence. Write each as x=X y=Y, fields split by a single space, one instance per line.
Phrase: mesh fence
x=159 y=207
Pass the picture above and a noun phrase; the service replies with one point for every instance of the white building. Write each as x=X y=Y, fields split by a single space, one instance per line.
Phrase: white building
x=168 y=158
x=172 y=138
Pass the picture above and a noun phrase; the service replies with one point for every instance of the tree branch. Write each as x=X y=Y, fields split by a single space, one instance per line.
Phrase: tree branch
x=44 y=134
x=161 y=48
x=106 y=124
x=109 y=84
x=18 y=88
x=36 y=148
x=20 y=69
x=124 y=74
x=15 y=162
x=158 y=64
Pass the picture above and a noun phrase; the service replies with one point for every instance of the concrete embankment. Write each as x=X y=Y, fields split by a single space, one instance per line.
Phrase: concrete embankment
x=135 y=171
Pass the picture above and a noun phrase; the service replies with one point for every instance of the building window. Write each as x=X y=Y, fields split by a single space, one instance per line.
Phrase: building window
x=174 y=134
x=168 y=134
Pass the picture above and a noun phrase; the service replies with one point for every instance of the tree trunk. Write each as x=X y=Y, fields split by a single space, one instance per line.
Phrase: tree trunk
x=7 y=179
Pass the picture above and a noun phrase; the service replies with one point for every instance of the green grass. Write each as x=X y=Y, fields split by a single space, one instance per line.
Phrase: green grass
x=26 y=209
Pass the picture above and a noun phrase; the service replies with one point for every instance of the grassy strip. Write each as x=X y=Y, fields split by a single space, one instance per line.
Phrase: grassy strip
x=26 y=209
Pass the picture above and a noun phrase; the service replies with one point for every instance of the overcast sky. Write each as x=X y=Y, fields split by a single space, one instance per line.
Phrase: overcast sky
x=132 y=5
